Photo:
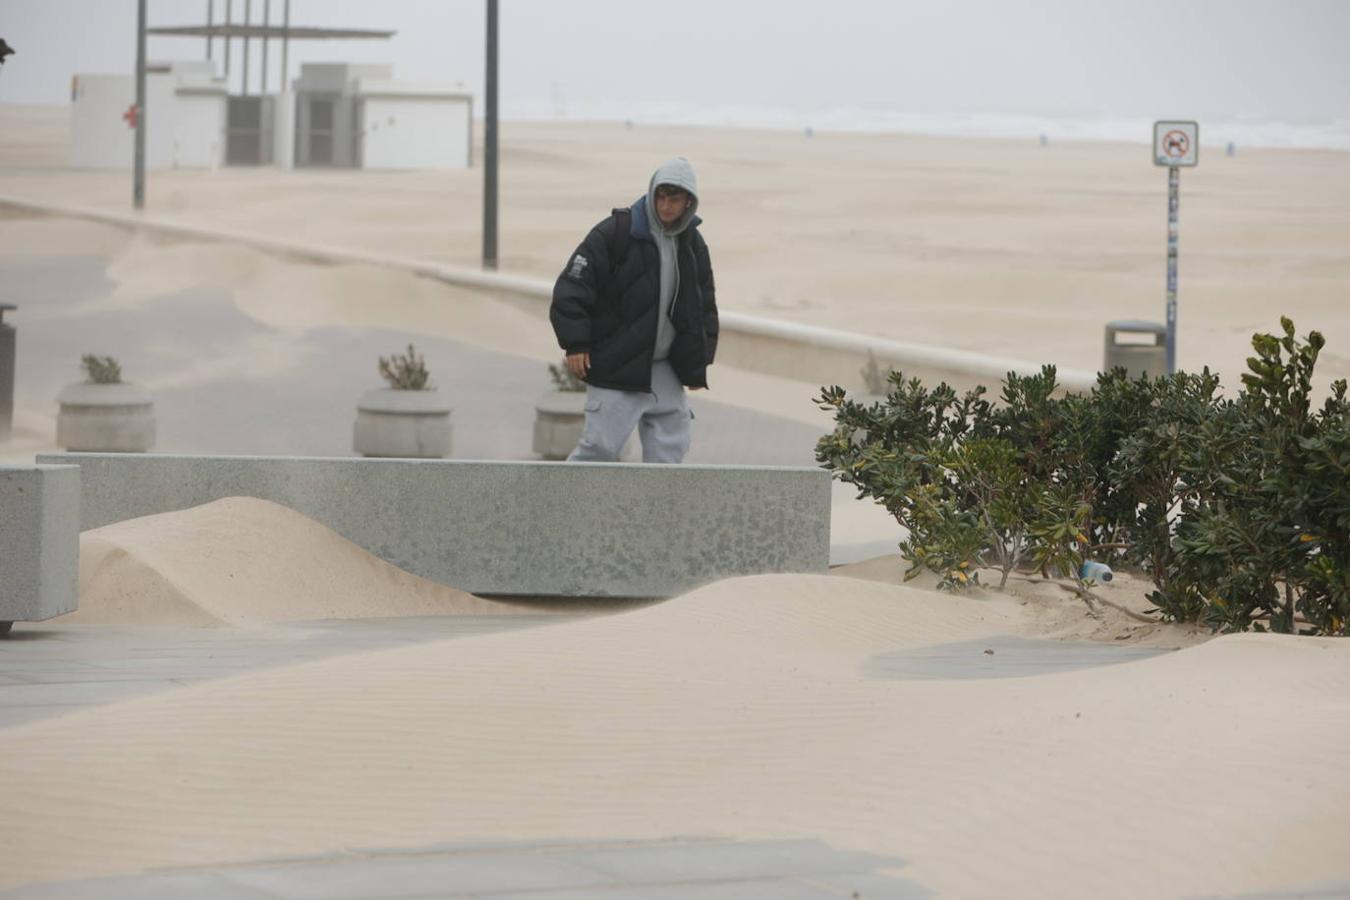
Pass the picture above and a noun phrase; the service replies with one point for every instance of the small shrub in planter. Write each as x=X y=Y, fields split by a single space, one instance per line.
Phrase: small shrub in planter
x=564 y=380
x=559 y=414
x=407 y=419
x=1239 y=510
x=406 y=371
x=103 y=413
x=101 y=369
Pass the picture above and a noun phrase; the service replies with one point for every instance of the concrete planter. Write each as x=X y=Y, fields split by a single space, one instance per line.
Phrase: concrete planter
x=105 y=418
x=558 y=419
x=403 y=424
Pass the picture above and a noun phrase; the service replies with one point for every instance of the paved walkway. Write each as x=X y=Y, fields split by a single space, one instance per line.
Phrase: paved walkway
x=682 y=869
x=307 y=409
x=51 y=668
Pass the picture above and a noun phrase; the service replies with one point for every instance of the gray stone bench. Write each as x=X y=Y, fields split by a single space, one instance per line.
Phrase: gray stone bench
x=507 y=528
x=39 y=542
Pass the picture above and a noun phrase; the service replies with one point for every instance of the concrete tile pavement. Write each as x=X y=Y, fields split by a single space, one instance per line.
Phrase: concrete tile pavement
x=51 y=669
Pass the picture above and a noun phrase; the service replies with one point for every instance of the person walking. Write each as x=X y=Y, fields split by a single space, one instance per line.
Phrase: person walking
x=636 y=313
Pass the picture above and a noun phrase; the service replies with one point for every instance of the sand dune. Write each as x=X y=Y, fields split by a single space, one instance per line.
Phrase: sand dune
x=739 y=710
x=244 y=561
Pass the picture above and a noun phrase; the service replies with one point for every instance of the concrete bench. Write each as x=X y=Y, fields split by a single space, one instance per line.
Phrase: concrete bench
x=39 y=542
x=507 y=528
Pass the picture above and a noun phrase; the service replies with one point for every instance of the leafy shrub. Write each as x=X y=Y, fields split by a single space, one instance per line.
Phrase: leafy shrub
x=406 y=372
x=1238 y=510
x=1268 y=537
x=101 y=369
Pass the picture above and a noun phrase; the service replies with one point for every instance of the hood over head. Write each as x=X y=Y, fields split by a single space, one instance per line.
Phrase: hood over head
x=677 y=173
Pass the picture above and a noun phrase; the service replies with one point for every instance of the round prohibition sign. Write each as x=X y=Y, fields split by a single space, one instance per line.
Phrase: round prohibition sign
x=1176 y=144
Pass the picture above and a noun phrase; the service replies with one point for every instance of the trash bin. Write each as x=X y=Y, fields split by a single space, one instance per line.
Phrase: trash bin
x=7 y=335
x=1136 y=346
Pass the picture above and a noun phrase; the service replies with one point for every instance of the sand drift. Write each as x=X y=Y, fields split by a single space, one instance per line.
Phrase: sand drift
x=243 y=561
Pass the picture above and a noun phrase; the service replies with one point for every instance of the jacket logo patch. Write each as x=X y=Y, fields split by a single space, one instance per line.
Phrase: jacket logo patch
x=579 y=264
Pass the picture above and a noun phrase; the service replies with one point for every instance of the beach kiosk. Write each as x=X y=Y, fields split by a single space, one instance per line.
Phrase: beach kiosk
x=359 y=116
x=185 y=132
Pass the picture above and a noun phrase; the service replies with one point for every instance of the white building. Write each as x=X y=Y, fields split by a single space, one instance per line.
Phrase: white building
x=339 y=114
x=359 y=116
x=185 y=127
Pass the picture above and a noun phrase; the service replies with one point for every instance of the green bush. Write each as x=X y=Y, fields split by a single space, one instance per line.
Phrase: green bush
x=1238 y=510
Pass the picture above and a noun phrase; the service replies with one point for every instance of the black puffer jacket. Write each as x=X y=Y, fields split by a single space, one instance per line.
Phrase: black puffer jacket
x=610 y=310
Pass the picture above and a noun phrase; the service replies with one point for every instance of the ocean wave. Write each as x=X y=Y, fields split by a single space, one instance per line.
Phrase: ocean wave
x=1241 y=132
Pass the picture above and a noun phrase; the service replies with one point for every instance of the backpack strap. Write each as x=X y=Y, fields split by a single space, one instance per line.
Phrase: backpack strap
x=618 y=244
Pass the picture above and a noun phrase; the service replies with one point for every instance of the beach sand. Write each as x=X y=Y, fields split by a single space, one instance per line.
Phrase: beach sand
x=743 y=710
x=753 y=708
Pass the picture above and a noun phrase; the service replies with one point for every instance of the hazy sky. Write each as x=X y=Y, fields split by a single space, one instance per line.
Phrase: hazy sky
x=1284 y=60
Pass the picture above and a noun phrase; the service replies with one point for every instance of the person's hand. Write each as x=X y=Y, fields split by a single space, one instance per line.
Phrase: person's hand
x=578 y=364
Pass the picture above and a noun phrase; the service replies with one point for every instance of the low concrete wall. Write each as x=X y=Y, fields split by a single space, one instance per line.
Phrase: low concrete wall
x=39 y=542
x=509 y=528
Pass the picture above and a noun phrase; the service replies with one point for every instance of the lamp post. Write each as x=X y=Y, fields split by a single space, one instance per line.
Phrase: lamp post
x=138 y=169
x=490 y=143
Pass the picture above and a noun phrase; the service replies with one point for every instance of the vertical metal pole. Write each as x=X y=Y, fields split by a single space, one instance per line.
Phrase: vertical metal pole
x=210 y=23
x=138 y=170
x=248 y=9
x=267 y=13
x=226 y=39
x=286 y=48
x=228 y=9
x=490 y=144
x=1173 y=201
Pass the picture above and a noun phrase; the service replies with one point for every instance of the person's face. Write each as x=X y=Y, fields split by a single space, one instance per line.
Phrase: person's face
x=671 y=202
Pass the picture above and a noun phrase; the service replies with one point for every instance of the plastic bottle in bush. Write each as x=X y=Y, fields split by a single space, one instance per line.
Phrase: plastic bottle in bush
x=1095 y=571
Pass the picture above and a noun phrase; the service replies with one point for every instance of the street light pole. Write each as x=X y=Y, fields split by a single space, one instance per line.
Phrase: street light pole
x=490 y=143
x=286 y=47
x=228 y=10
x=267 y=13
x=138 y=170
x=248 y=10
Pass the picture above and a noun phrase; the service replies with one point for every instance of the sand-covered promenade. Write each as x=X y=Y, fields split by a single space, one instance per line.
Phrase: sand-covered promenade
x=247 y=705
x=998 y=246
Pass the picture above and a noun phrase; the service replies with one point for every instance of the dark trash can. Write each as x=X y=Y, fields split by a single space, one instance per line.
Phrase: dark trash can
x=1138 y=347
x=7 y=350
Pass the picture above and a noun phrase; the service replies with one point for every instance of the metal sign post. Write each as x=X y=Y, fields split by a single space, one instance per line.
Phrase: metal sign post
x=1175 y=144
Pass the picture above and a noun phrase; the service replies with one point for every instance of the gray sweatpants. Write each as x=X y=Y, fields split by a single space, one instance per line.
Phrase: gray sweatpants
x=661 y=417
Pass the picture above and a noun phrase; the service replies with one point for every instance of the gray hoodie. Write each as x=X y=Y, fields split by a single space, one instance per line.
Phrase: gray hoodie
x=678 y=173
